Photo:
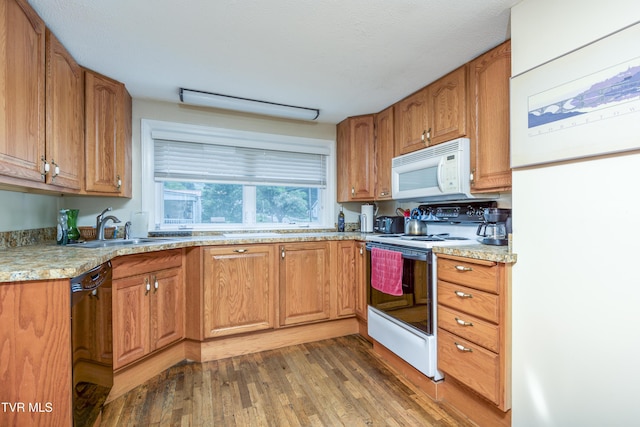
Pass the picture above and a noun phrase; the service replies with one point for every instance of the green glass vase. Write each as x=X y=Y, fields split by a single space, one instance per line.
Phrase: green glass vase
x=73 y=234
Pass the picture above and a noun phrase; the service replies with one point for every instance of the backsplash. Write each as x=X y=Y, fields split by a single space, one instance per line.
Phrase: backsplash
x=12 y=239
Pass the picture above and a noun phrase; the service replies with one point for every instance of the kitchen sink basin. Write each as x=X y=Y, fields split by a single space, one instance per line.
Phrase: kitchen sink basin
x=118 y=242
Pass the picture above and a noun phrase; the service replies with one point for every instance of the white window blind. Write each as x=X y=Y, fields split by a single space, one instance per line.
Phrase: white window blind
x=196 y=161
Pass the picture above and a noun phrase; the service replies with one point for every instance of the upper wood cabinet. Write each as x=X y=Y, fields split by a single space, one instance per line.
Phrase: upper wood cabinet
x=448 y=107
x=412 y=129
x=305 y=280
x=384 y=148
x=65 y=117
x=22 y=94
x=489 y=120
x=107 y=136
x=355 y=152
x=239 y=288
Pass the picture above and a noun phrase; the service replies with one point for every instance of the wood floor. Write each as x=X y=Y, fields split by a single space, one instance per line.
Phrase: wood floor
x=336 y=382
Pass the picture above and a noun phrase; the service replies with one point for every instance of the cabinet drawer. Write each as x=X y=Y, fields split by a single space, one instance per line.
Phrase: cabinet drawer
x=130 y=265
x=470 y=301
x=482 y=276
x=469 y=327
x=470 y=364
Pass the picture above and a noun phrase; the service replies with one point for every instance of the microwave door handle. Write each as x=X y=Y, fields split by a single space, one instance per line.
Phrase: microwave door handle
x=439 y=174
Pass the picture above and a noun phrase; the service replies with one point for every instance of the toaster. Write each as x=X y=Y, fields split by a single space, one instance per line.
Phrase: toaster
x=389 y=225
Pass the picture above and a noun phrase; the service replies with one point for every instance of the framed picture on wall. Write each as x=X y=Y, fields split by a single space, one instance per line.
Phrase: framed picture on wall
x=582 y=104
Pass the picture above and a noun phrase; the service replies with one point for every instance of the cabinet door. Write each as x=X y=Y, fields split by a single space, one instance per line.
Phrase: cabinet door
x=412 y=126
x=489 y=118
x=355 y=151
x=346 y=278
x=105 y=110
x=304 y=282
x=239 y=289
x=65 y=117
x=167 y=308
x=362 y=266
x=22 y=91
x=448 y=106
x=384 y=153
x=130 y=319
x=362 y=158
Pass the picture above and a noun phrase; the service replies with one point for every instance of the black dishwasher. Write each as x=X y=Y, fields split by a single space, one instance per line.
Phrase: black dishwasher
x=91 y=341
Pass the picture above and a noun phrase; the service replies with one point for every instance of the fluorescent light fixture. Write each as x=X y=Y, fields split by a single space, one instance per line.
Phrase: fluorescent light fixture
x=227 y=102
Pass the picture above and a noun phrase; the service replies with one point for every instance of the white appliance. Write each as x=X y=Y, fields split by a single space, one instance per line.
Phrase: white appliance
x=367 y=218
x=437 y=173
x=407 y=327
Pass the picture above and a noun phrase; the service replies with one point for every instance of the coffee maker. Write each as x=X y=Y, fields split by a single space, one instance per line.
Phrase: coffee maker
x=496 y=227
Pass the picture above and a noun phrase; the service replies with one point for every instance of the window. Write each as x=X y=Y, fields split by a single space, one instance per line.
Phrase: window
x=207 y=178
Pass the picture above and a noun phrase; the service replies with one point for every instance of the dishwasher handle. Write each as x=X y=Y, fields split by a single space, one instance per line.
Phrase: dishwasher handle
x=92 y=279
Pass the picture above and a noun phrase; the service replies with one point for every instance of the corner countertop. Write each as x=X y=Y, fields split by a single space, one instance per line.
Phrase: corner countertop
x=479 y=251
x=49 y=261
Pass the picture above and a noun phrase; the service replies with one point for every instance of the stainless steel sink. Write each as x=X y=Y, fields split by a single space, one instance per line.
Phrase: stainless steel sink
x=119 y=242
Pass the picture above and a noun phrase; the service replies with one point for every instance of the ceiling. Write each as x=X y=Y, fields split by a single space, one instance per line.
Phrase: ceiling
x=344 y=57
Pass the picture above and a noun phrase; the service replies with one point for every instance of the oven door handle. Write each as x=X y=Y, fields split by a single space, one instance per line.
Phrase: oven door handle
x=417 y=257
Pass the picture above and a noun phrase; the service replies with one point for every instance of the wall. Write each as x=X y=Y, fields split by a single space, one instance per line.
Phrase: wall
x=24 y=211
x=575 y=291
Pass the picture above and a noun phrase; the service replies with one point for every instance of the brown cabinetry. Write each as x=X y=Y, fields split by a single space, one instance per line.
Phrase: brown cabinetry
x=448 y=107
x=412 y=129
x=361 y=280
x=22 y=92
x=65 y=118
x=305 y=280
x=355 y=153
x=346 y=280
x=107 y=136
x=474 y=332
x=239 y=284
x=489 y=120
x=384 y=148
x=148 y=304
x=35 y=332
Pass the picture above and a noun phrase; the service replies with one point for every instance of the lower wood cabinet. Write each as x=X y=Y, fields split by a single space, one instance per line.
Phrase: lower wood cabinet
x=346 y=277
x=148 y=304
x=305 y=280
x=361 y=285
x=239 y=284
x=474 y=326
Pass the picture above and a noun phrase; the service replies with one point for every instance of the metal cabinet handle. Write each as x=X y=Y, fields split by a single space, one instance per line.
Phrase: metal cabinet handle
x=282 y=252
x=118 y=182
x=462 y=348
x=463 y=323
x=155 y=284
x=384 y=193
x=361 y=250
x=463 y=268
x=240 y=251
x=147 y=286
x=353 y=191
x=426 y=137
x=462 y=294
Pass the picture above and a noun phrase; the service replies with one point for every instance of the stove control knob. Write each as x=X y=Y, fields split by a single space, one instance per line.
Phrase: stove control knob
x=470 y=211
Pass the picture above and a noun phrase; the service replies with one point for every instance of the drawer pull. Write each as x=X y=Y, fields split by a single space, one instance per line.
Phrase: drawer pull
x=462 y=348
x=462 y=294
x=241 y=251
x=463 y=323
x=463 y=268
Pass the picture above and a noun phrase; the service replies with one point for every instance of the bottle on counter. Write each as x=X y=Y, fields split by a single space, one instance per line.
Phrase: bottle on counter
x=341 y=220
x=61 y=237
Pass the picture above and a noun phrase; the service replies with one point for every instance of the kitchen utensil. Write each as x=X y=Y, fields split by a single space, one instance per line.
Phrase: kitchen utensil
x=497 y=226
x=139 y=224
x=415 y=227
x=496 y=214
x=389 y=224
x=400 y=212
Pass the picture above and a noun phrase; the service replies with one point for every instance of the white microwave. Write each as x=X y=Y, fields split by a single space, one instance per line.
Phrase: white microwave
x=437 y=173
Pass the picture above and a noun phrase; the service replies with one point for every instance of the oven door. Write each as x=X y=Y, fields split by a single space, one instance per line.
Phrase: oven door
x=415 y=306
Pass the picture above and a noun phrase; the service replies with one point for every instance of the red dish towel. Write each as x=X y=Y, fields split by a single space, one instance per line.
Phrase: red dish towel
x=386 y=271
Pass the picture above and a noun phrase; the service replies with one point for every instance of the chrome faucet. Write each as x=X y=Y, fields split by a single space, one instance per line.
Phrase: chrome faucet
x=101 y=221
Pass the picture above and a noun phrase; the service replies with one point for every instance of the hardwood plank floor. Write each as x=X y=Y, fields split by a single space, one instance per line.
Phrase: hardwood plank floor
x=335 y=382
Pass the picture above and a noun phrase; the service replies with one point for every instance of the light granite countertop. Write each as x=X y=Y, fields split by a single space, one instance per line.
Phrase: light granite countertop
x=50 y=261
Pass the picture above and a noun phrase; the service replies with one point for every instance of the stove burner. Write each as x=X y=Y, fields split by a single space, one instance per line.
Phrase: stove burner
x=432 y=237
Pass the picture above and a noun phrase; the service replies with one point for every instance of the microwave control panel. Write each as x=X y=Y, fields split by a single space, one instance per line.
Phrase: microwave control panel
x=449 y=181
